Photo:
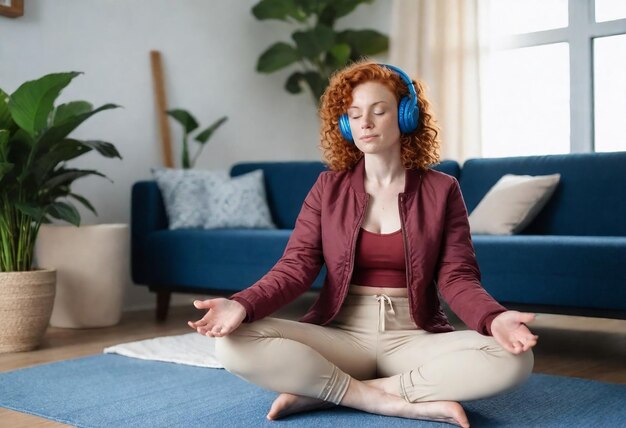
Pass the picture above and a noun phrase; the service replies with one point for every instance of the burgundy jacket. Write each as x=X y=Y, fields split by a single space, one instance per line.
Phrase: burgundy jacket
x=437 y=245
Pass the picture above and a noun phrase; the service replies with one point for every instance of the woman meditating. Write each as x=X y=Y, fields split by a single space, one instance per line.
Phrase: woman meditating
x=392 y=233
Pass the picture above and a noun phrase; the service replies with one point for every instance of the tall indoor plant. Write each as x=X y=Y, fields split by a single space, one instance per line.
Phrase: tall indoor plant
x=35 y=186
x=317 y=49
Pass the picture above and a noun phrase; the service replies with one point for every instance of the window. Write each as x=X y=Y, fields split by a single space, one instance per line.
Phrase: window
x=610 y=93
x=520 y=16
x=527 y=112
x=553 y=80
x=609 y=10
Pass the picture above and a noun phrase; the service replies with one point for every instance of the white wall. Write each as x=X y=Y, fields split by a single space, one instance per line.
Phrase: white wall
x=209 y=49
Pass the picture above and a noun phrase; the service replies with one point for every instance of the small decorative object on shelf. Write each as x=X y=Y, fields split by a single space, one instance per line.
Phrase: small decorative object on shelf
x=12 y=8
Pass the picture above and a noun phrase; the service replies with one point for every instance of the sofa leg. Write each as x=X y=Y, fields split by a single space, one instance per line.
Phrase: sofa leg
x=163 y=304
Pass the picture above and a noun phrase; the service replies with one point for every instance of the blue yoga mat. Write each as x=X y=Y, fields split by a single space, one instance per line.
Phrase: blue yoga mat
x=115 y=391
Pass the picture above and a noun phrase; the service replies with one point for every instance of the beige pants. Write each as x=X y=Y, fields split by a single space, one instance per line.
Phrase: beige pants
x=371 y=337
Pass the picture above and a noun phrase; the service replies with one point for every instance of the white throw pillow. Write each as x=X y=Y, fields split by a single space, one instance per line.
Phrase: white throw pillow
x=239 y=202
x=512 y=203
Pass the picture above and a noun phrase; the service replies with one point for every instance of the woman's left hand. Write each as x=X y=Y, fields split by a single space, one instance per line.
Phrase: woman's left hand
x=509 y=331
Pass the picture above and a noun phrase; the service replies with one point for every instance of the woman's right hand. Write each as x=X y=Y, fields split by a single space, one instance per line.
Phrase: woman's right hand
x=222 y=318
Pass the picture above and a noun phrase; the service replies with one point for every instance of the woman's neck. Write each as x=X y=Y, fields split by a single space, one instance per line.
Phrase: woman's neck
x=383 y=171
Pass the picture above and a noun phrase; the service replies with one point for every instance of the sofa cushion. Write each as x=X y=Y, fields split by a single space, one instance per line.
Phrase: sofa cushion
x=184 y=194
x=589 y=201
x=218 y=259
x=574 y=271
x=512 y=203
x=238 y=202
x=212 y=199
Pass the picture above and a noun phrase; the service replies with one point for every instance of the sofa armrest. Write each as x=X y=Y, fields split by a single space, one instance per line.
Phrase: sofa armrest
x=147 y=215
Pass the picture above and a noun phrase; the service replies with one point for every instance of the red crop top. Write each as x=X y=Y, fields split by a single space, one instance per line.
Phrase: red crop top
x=379 y=260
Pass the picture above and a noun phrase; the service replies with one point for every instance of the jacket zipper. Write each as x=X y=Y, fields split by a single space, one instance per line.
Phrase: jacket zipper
x=406 y=254
x=352 y=255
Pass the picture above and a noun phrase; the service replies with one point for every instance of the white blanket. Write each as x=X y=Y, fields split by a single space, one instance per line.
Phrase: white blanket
x=192 y=349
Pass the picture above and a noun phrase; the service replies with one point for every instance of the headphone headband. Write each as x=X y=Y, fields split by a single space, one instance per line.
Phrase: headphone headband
x=407 y=80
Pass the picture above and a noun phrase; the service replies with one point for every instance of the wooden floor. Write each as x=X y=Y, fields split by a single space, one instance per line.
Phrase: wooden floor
x=592 y=348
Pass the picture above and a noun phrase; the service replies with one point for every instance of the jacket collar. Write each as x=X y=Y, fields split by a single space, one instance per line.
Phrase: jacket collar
x=412 y=178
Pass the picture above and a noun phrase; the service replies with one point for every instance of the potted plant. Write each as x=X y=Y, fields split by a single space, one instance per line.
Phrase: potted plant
x=317 y=49
x=35 y=187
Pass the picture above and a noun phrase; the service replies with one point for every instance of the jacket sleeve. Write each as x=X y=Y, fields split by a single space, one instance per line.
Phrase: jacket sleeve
x=298 y=267
x=458 y=275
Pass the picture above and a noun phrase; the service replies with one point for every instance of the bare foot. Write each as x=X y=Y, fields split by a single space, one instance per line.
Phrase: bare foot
x=365 y=396
x=441 y=411
x=288 y=404
x=387 y=384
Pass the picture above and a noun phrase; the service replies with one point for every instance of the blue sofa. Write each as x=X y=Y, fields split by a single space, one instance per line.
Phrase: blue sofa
x=571 y=259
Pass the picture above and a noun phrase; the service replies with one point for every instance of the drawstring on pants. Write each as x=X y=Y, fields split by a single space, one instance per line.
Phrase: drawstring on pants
x=382 y=299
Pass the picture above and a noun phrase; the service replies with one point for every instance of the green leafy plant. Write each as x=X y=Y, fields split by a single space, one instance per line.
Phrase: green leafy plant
x=35 y=181
x=190 y=124
x=317 y=47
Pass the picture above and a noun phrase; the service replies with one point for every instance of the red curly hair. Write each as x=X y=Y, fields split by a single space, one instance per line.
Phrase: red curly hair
x=420 y=149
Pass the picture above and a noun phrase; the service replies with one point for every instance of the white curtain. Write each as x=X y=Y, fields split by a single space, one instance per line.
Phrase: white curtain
x=439 y=43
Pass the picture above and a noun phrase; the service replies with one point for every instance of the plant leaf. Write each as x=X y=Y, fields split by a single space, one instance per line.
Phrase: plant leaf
x=107 y=150
x=185 y=118
x=339 y=55
x=20 y=147
x=84 y=201
x=5 y=166
x=309 y=7
x=64 y=211
x=69 y=110
x=57 y=133
x=5 y=115
x=54 y=136
x=344 y=7
x=364 y=42
x=31 y=104
x=4 y=144
x=316 y=82
x=277 y=56
x=204 y=136
x=313 y=42
x=67 y=176
x=278 y=9
x=64 y=151
x=293 y=83
x=30 y=210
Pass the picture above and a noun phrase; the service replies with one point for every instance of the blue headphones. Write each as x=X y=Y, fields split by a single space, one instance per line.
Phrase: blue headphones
x=408 y=110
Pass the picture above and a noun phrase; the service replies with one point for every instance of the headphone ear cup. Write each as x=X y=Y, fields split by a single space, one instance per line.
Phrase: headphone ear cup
x=344 y=127
x=407 y=116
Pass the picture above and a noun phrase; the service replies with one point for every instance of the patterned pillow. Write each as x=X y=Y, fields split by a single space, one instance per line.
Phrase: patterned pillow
x=212 y=199
x=238 y=202
x=184 y=194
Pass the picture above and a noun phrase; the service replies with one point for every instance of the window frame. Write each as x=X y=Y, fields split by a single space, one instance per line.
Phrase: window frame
x=579 y=34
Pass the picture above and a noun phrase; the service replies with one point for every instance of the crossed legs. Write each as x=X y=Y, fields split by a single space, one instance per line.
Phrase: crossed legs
x=314 y=366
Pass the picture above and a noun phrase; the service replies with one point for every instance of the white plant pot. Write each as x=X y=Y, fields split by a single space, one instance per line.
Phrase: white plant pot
x=92 y=264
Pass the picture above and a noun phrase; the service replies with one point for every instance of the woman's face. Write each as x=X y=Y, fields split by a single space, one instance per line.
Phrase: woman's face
x=373 y=117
